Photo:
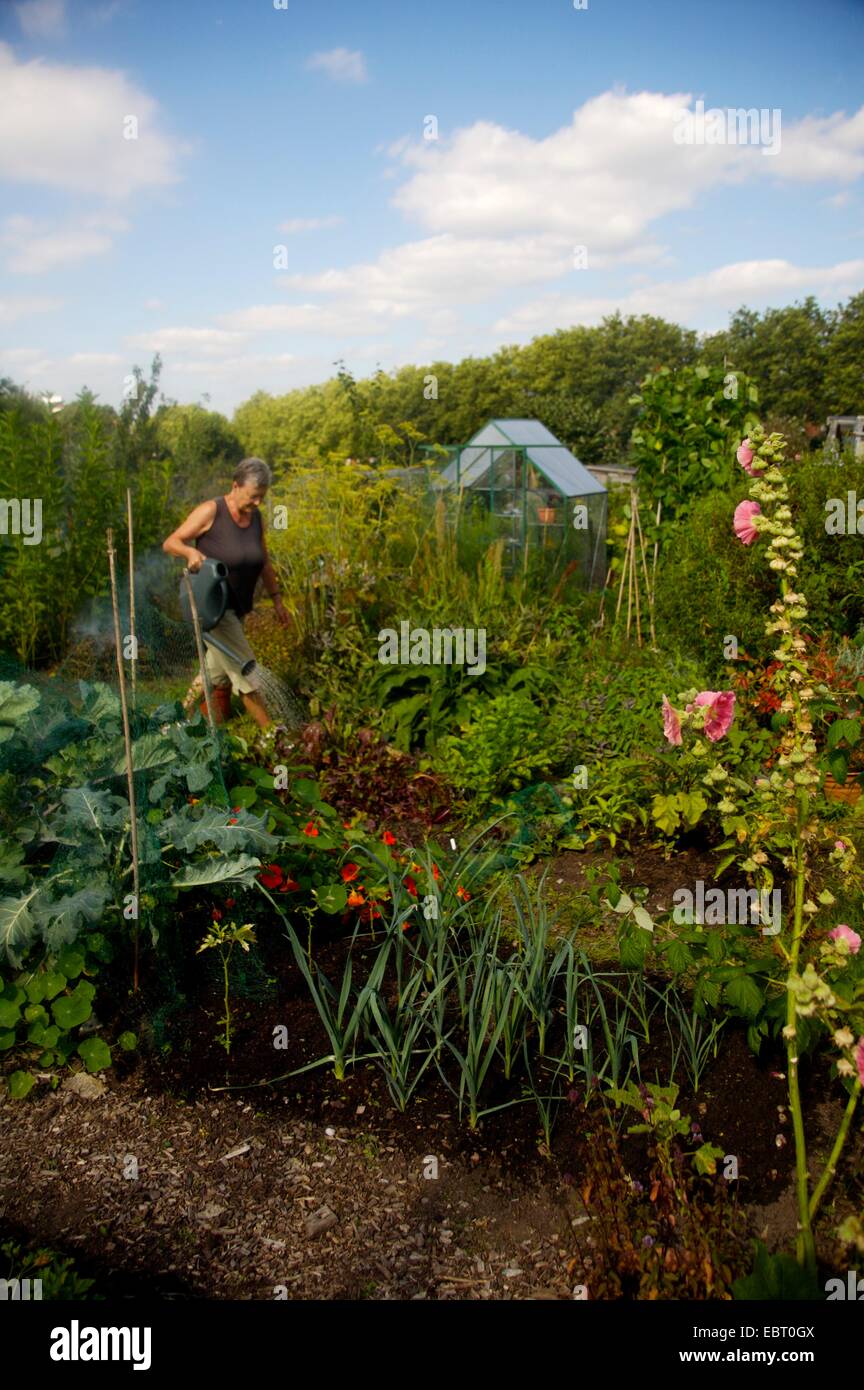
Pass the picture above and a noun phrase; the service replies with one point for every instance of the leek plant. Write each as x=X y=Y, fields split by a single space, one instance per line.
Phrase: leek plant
x=341 y=1011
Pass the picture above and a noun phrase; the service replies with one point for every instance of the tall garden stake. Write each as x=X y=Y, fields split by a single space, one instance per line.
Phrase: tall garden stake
x=199 y=643
x=134 y=643
x=127 y=740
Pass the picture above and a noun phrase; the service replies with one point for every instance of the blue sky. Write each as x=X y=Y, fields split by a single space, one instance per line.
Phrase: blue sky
x=305 y=128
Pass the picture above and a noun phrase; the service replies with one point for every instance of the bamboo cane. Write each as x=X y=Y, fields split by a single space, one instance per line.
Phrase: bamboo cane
x=196 y=623
x=623 y=578
x=648 y=588
x=127 y=741
x=636 y=576
x=600 y=615
x=134 y=657
x=630 y=539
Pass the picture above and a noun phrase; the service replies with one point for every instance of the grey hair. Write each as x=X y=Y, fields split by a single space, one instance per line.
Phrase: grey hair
x=253 y=470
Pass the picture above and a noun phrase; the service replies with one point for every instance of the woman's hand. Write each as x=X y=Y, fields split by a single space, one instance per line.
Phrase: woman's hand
x=194 y=561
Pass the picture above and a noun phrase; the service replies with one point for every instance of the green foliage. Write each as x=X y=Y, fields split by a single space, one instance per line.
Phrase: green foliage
x=80 y=464
x=776 y=1278
x=503 y=743
x=683 y=444
x=59 y=1278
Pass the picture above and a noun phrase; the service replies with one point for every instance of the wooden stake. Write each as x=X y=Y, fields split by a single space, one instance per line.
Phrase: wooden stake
x=648 y=588
x=132 y=592
x=199 y=643
x=630 y=539
x=127 y=740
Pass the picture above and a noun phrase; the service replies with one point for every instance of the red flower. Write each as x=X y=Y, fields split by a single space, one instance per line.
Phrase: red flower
x=232 y=820
x=229 y=902
x=410 y=885
x=435 y=873
x=462 y=893
x=356 y=899
x=368 y=913
x=271 y=876
x=349 y=872
x=310 y=828
x=289 y=886
x=388 y=838
x=217 y=915
x=346 y=825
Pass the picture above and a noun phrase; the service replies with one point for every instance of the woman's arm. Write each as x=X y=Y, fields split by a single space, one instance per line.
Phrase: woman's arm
x=199 y=520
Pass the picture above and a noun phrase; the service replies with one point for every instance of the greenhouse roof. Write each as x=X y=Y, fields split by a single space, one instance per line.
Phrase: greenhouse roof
x=548 y=454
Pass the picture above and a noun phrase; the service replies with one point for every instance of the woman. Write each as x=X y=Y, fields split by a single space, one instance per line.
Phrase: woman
x=231 y=529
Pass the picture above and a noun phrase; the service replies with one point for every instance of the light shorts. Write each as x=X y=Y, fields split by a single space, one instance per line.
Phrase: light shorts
x=220 y=668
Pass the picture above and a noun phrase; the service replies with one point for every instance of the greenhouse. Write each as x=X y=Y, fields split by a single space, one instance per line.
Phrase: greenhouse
x=539 y=494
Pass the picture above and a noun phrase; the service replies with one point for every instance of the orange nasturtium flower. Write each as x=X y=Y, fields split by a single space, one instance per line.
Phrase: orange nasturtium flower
x=355 y=898
x=388 y=837
x=310 y=828
x=349 y=872
x=462 y=893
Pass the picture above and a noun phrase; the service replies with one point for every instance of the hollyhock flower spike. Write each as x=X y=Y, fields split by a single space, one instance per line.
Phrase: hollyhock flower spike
x=745 y=458
x=842 y=932
x=671 y=723
x=719 y=712
x=742 y=522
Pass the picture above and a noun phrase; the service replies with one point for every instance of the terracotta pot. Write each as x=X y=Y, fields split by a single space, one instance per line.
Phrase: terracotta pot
x=849 y=792
x=547 y=515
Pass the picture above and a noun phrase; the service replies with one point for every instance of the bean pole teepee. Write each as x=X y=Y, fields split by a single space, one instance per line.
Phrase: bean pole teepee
x=635 y=579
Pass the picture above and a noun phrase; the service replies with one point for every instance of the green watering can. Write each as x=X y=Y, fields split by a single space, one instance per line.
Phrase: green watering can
x=210 y=591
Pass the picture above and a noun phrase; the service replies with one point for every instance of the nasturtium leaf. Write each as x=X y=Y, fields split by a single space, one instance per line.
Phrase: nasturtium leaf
x=306 y=791
x=96 y=1054
x=35 y=1013
x=41 y=1036
x=54 y=981
x=128 y=1041
x=7 y=1039
x=70 y=962
x=10 y=1013
x=21 y=1083
x=71 y=1009
x=331 y=897
x=244 y=796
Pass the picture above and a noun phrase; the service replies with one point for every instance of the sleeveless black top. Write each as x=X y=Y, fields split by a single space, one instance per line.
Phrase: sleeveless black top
x=241 y=548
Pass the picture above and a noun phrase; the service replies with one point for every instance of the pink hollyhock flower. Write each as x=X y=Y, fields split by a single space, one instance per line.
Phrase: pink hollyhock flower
x=671 y=723
x=743 y=522
x=839 y=844
x=858 y=1054
x=720 y=706
x=745 y=458
x=842 y=932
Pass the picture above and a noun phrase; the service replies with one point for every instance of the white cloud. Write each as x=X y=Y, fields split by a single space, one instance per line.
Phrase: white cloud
x=696 y=301
x=342 y=64
x=94 y=359
x=309 y=224
x=42 y=19
x=302 y=318
x=13 y=309
x=230 y=365
x=38 y=247
x=602 y=179
x=212 y=341
x=63 y=127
